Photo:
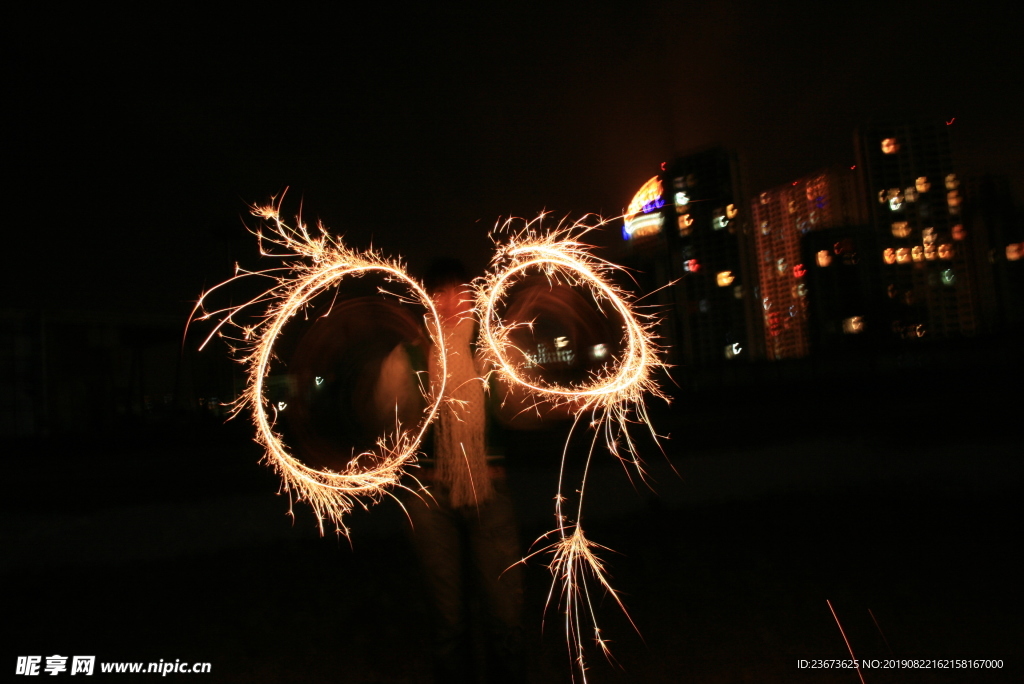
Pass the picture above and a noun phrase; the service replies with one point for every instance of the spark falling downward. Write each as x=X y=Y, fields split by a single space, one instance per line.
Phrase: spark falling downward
x=608 y=402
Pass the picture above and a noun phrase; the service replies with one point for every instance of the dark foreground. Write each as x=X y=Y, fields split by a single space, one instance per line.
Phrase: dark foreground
x=182 y=551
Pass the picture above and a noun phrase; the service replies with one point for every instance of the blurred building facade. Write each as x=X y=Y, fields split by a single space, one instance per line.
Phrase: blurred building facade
x=688 y=230
x=825 y=211
x=888 y=255
x=932 y=268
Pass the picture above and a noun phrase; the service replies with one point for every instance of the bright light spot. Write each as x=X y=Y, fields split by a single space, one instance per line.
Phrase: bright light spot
x=1014 y=251
x=685 y=221
x=903 y=256
x=731 y=211
x=948 y=277
x=598 y=351
x=643 y=224
x=952 y=183
x=682 y=199
x=922 y=184
x=319 y=380
x=282 y=405
x=853 y=325
x=946 y=251
x=733 y=350
x=561 y=342
x=889 y=255
x=824 y=257
x=958 y=232
x=890 y=146
x=724 y=278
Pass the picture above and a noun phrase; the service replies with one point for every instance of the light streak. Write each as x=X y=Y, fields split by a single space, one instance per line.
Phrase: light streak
x=848 y=647
x=315 y=263
x=609 y=401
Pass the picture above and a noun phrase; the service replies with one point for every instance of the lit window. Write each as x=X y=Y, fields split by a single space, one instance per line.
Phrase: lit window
x=799 y=271
x=922 y=184
x=1014 y=250
x=799 y=290
x=685 y=222
x=900 y=229
x=691 y=265
x=958 y=232
x=724 y=278
x=718 y=221
x=792 y=207
x=929 y=236
x=781 y=265
x=731 y=211
x=733 y=350
x=764 y=198
x=737 y=291
x=682 y=199
x=930 y=252
x=890 y=146
x=948 y=277
x=951 y=182
x=824 y=257
x=853 y=325
x=946 y=251
x=903 y=256
x=598 y=352
x=917 y=252
x=764 y=228
x=882 y=196
x=889 y=255
x=911 y=194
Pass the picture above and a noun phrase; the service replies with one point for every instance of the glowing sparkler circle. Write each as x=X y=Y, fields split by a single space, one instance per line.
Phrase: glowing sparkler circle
x=554 y=251
x=613 y=397
x=322 y=262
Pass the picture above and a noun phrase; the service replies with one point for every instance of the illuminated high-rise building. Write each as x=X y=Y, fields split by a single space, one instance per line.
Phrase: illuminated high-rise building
x=687 y=226
x=829 y=205
x=927 y=264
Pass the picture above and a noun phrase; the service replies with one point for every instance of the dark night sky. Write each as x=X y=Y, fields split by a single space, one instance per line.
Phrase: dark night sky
x=137 y=140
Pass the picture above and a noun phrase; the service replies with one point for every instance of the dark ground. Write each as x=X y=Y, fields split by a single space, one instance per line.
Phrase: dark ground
x=899 y=505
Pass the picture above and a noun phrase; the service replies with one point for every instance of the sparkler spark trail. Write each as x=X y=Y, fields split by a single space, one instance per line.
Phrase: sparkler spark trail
x=612 y=398
x=314 y=264
x=609 y=400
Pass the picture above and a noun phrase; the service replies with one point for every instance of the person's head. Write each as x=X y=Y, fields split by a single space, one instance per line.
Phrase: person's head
x=447 y=283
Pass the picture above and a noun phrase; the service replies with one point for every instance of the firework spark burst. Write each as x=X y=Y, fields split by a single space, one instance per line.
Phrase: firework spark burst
x=314 y=263
x=609 y=401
